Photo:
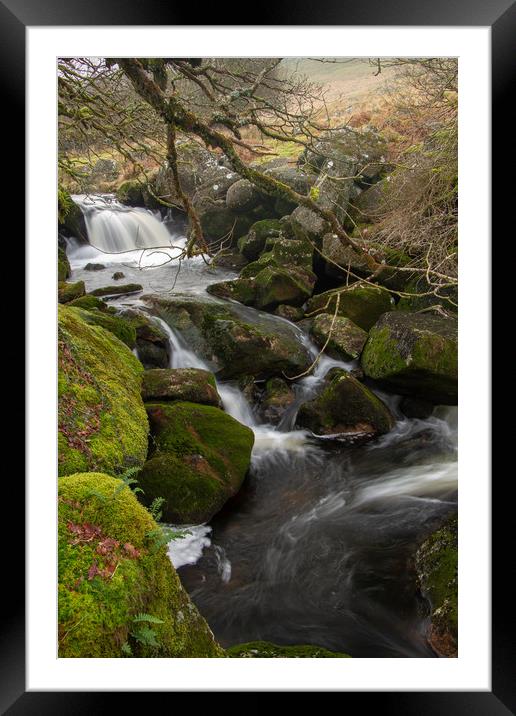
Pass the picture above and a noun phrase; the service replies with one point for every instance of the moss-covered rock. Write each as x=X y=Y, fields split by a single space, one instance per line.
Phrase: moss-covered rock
x=131 y=192
x=345 y=408
x=414 y=354
x=199 y=457
x=416 y=300
x=436 y=566
x=343 y=339
x=67 y=292
x=63 y=265
x=266 y=650
x=117 y=290
x=118 y=592
x=242 y=196
x=187 y=384
x=102 y=420
x=91 y=303
x=276 y=398
x=361 y=303
x=115 y=324
x=94 y=267
x=242 y=290
x=220 y=333
x=152 y=344
x=69 y=216
x=253 y=243
x=290 y=313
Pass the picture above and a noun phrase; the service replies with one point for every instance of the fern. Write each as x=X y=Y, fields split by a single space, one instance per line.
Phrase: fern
x=155 y=508
x=145 y=636
x=147 y=618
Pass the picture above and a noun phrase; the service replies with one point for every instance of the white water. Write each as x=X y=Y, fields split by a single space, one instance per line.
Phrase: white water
x=189 y=548
x=114 y=229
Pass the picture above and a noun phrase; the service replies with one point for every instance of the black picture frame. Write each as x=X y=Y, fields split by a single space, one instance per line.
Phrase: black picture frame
x=500 y=16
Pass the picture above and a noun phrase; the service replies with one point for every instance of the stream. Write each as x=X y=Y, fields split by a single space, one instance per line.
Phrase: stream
x=316 y=546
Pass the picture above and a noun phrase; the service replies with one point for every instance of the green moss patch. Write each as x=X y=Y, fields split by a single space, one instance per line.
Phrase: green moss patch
x=266 y=650
x=362 y=304
x=102 y=420
x=199 y=457
x=118 y=593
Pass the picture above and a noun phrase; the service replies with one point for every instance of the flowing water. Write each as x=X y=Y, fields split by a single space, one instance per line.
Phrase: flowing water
x=316 y=547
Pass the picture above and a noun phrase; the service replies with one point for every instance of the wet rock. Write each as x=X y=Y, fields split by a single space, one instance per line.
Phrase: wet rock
x=415 y=408
x=67 y=292
x=94 y=267
x=414 y=354
x=152 y=343
x=361 y=303
x=222 y=334
x=266 y=650
x=118 y=275
x=253 y=243
x=117 y=290
x=63 y=265
x=436 y=567
x=291 y=313
x=187 y=384
x=346 y=408
x=276 y=398
x=343 y=339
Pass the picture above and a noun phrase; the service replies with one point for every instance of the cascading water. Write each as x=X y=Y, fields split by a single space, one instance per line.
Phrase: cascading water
x=114 y=228
x=314 y=549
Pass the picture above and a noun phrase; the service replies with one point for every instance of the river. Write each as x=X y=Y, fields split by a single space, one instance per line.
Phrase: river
x=316 y=548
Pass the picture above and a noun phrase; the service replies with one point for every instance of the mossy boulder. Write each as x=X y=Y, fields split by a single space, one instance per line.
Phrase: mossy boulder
x=152 y=344
x=276 y=398
x=63 y=265
x=70 y=218
x=290 y=313
x=306 y=224
x=219 y=222
x=198 y=459
x=187 y=384
x=253 y=243
x=361 y=303
x=67 y=292
x=416 y=300
x=242 y=196
x=266 y=650
x=343 y=339
x=242 y=290
x=127 y=288
x=346 y=408
x=91 y=303
x=131 y=192
x=222 y=335
x=118 y=593
x=436 y=567
x=414 y=354
x=101 y=417
x=339 y=258
x=116 y=325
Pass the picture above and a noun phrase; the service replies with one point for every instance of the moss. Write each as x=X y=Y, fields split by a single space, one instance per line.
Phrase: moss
x=436 y=565
x=115 y=290
x=114 y=324
x=198 y=459
x=131 y=192
x=63 y=265
x=186 y=384
x=346 y=340
x=362 y=304
x=414 y=301
x=291 y=313
x=111 y=569
x=90 y=303
x=266 y=650
x=102 y=420
x=345 y=407
x=67 y=292
x=253 y=243
x=218 y=333
x=69 y=215
x=241 y=289
x=414 y=354
x=277 y=397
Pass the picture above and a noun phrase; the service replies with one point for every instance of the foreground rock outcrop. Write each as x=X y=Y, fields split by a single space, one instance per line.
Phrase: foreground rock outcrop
x=266 y=650
x=436 y=566
x=414 y=354
x=102 y=421
x=199 y=457
x=118 y=592
x=187 y=384
x=362 y=304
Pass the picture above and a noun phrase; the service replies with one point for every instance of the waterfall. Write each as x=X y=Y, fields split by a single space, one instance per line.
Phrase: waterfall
x=114 y=228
